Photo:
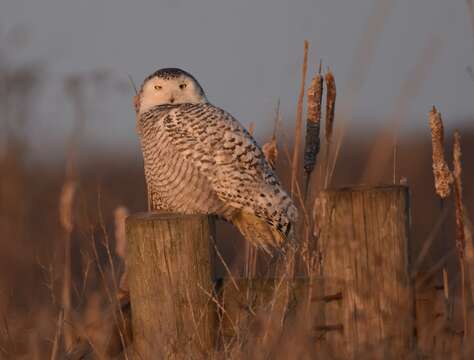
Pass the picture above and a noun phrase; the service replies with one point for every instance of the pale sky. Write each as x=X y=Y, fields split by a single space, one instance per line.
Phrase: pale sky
x=245 y=53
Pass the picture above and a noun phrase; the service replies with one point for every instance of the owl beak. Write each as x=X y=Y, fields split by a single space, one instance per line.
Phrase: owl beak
x=171 y=100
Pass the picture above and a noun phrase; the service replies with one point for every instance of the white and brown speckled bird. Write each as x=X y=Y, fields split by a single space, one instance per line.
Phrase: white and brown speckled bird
x=200 y=160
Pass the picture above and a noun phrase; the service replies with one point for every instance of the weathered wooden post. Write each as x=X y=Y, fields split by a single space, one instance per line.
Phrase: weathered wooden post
x=171 y=289
x=364 y=244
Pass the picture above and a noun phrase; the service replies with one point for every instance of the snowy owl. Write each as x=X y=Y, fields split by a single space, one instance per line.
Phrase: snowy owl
x=200 y=160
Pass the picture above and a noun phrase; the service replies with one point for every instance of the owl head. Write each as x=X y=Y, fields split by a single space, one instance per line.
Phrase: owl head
x=169 y=86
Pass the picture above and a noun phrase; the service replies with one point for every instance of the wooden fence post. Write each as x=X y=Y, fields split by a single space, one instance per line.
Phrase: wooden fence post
x=364 y=244
x=171 y=289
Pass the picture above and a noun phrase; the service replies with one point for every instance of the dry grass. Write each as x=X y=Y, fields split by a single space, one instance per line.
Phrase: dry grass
x=284 y=341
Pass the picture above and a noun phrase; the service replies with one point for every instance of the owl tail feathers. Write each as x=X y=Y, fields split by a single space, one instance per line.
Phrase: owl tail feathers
x=257 y=231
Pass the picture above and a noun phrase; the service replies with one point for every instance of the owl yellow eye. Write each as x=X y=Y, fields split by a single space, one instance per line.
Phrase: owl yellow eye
x=158 y=87
x=182 y=86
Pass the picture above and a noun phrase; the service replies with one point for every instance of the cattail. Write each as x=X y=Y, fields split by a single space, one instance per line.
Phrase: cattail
x=330 y=104
x=442 y=175
x=313 y=123
x=330 y=108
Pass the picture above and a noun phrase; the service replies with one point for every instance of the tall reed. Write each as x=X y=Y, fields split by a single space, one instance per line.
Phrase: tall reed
x=299 y=122
x=66 y=203
x=443 y=179
x=460 y=233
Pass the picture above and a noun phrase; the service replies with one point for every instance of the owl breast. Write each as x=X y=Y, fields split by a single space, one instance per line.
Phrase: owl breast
x=174 y=182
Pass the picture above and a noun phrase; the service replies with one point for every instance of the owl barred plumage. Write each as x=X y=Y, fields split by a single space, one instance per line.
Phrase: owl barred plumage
x=199 y=159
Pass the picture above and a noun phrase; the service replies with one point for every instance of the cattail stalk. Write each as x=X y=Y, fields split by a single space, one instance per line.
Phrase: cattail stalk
x=460 y=233
x=329 y=126
x=66 y=202
x=299 y=121
x=313 y=125
x=442 y=179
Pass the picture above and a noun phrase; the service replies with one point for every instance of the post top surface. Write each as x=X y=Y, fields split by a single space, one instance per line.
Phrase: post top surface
x=366 y=188
x=162 y=215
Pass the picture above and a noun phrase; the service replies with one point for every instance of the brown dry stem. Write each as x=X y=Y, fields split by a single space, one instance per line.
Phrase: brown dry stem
x=299 y=120
x=460 y=233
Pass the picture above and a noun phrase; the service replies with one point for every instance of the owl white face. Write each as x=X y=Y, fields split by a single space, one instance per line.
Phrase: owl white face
x=170 y=90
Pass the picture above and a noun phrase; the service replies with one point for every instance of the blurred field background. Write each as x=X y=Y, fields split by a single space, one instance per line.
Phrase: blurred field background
x=78 y=190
